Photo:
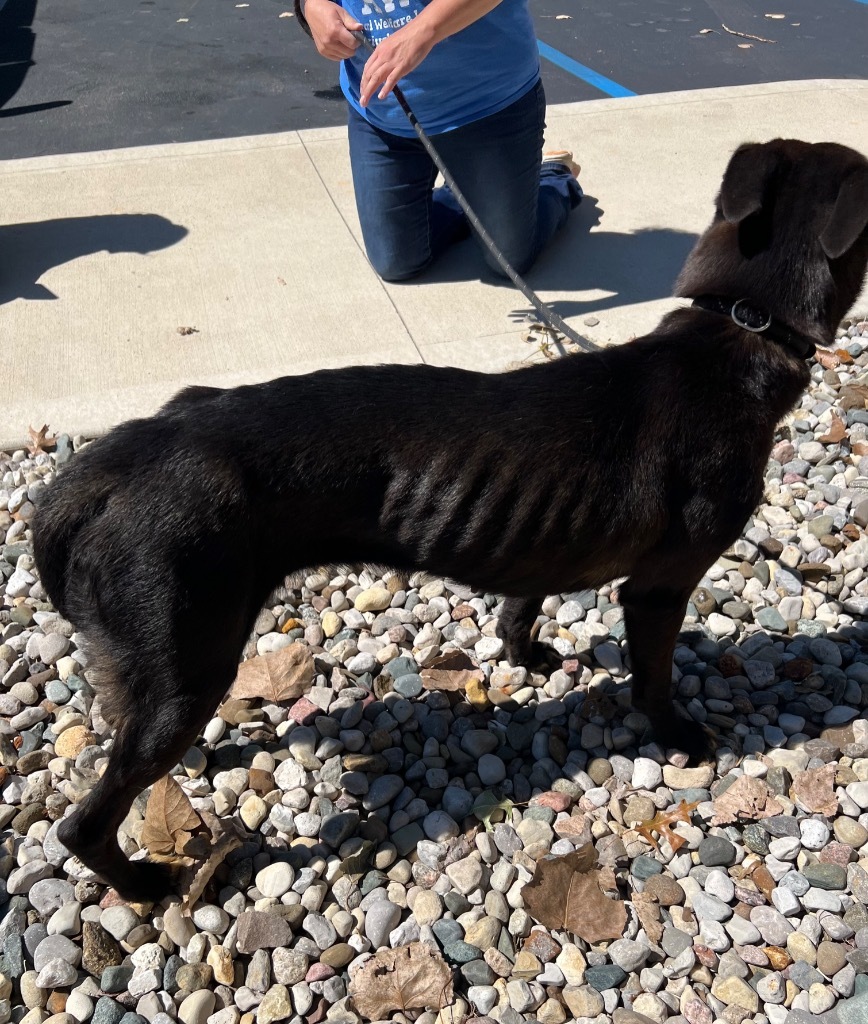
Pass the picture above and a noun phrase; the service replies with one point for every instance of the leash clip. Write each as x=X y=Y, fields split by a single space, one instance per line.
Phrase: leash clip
x=743 y=324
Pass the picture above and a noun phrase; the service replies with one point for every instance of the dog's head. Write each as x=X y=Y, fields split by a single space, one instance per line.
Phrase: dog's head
x=790 y=232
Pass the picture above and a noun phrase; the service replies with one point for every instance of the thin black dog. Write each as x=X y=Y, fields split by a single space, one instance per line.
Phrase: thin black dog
x=162 y=540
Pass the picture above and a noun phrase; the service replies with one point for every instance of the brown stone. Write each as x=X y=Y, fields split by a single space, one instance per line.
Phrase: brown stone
x=665 y=890
x=257 y=930
x=99 y=949
x=260 y=781
x=57 y=1002
x=764 y=881
x=779 y=958
x=542 y=945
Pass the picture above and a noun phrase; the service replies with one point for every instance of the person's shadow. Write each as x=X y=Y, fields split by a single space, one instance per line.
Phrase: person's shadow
x=28 y=250
x=630 y=268
x=16 y=55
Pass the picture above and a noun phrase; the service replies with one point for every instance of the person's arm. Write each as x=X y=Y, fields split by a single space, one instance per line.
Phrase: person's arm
x=331 y=27
x=405 y=49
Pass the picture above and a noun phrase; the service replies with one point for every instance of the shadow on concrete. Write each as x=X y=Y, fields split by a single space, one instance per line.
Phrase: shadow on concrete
x=27 y=251
x=631 y=268
x=17 y=40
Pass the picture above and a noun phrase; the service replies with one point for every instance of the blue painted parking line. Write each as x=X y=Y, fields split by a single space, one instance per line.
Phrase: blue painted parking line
x=587 y=74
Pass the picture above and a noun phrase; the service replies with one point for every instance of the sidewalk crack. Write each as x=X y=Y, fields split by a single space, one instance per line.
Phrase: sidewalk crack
x=360 y=247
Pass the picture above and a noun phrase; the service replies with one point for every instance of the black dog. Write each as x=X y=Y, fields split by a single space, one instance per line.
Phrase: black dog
x=162 y=540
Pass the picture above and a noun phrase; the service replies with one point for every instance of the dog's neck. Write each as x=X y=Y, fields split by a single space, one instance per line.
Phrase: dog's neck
x=756 y=319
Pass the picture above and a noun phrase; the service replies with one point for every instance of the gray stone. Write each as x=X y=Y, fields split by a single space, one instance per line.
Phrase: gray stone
x=380 y=918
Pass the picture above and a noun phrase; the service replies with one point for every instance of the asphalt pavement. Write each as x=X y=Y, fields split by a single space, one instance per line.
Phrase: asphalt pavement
x=88 y=75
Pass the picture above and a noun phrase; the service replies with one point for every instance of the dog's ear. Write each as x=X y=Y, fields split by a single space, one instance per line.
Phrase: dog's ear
x=849 y=214
x=747 y=177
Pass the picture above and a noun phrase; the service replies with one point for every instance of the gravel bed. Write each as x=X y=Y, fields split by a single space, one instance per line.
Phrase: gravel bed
x=760 y=915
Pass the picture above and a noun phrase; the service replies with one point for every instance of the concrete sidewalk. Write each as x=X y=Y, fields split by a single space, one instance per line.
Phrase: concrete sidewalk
x=254 y=243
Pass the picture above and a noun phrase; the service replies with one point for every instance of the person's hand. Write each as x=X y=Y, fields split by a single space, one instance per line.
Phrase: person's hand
x=397 y=55
x=332 y=27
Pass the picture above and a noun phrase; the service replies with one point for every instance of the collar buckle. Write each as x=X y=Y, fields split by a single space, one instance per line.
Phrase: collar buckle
x=741 y=321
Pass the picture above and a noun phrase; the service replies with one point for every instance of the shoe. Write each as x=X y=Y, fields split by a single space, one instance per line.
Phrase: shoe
x=563 y=157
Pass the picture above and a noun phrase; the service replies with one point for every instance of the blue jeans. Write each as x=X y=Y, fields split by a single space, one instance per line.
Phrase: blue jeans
x=496 y=162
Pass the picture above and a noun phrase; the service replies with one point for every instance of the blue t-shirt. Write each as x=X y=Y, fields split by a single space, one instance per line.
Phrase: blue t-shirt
x=469 y=75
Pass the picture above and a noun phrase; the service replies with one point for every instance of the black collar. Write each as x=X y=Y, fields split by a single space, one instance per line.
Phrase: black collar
x=757 y=320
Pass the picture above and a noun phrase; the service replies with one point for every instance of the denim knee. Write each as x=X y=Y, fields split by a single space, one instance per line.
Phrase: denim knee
x=520 y=264
x=396 y=266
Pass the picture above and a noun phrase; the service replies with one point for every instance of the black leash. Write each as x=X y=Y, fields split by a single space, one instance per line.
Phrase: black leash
x=547 y=315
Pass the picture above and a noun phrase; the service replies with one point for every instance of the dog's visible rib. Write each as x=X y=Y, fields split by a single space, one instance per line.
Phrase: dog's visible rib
x=162 y=540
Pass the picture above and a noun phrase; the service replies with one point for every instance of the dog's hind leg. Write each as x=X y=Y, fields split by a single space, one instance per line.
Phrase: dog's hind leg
x=159 y=720
x=653 y=616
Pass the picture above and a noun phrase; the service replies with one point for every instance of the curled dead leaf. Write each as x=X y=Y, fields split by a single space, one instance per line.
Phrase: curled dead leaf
x=396 y=980
x=814 y=790
x=837 y=432
x=566 y=893
x=746 y=799
x=224 y=840
x=40 y=440
x=169 y=819
x=648 y=913
x=282 y=675
x=662 y=823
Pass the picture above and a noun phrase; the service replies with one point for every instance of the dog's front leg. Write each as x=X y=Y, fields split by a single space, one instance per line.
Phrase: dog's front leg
x=653 y=618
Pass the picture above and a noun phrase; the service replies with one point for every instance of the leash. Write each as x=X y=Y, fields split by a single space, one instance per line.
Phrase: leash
x=548 y=316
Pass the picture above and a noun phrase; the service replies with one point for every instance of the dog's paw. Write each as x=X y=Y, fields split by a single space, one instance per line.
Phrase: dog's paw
x=145 y=882
x=692 y=738
x=536 y=656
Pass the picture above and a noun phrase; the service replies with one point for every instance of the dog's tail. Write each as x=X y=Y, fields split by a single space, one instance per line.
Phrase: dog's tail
x=72 y=502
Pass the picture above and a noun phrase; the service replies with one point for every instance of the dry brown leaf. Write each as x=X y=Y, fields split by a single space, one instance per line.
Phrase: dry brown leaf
x=396 y=980
x=452 y=671
x=169 y=819
x=282 y=675
x=837 y=432
x=746 y=799
x=843 y=355
x=40 y=442
x=814 y=790
x=828 y=360
x=188 y=330
x=648 y=913
x=224 y=842
x=662 y=822
x=853 y=396
x=567 y=893
x=859 y=448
